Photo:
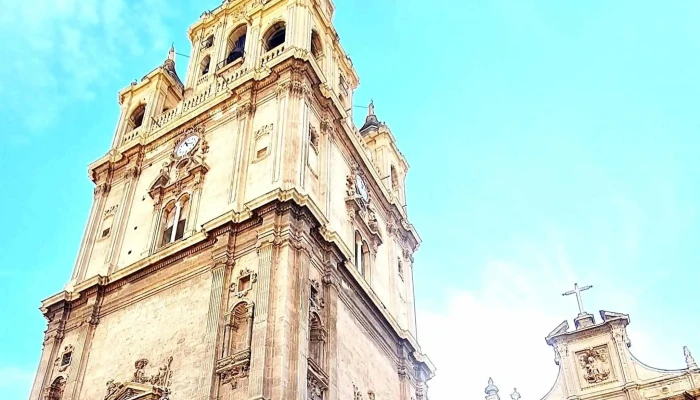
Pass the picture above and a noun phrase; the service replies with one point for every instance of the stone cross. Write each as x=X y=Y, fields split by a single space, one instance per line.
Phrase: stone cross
x=577 y=291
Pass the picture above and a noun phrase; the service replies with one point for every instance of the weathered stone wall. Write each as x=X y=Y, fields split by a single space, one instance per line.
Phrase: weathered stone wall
x=361 y=362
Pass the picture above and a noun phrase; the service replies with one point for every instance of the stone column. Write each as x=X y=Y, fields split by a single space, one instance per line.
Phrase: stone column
x=261 y=327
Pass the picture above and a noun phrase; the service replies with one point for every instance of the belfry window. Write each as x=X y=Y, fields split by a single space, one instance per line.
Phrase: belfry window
x=394 y=179
x=208 y=42
x=275 y=36
x=235 y=45
x=205 y=65
x=361 y=254
x=136 y=119
x=174 y=220
x=316 y=48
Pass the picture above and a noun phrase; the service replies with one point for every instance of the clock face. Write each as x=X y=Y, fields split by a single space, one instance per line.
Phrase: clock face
x=361 y=188
x=186 y=146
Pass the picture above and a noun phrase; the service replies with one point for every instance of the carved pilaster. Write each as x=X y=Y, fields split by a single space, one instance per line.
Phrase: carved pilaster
x=221 y=262
x=260 y=321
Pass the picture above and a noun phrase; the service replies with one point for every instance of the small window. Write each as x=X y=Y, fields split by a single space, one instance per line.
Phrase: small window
x=105 y=232
x=275 y=36
x=316 y=48
x=262 y=144
x=66 y=359
x=313 y=138
x=137 y=116
x=244 y=283
x=394 y=179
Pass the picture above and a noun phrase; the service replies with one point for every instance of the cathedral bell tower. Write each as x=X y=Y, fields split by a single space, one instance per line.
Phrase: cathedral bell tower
x=246 y=240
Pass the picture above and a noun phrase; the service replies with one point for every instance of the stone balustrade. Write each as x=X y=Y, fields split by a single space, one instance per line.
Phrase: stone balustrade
x=132 y=135
x=272 y=54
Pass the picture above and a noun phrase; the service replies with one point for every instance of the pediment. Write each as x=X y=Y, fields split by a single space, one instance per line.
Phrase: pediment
x=161 y=181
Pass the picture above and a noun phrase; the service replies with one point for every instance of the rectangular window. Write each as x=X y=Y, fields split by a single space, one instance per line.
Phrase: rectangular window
x=180 y=229
x=167 y=234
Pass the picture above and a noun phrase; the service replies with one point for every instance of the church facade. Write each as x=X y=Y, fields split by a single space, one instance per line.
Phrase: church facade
x=595 y=363
x=246 y=240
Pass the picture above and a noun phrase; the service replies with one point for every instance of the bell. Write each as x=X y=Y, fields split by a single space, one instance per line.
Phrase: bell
x=237 y=51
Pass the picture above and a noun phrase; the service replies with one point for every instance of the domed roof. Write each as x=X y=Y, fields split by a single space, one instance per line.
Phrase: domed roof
x=491 y=388
x=371 y=122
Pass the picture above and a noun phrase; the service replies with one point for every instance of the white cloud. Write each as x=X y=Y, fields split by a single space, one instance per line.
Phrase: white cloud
x=497 y=331
x=55 y=52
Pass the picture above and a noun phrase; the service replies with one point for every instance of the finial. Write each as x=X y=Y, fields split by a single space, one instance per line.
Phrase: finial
x=689 y=360
x=491 y=389
x=370 y=108
x=171 y=53
x=515 y=395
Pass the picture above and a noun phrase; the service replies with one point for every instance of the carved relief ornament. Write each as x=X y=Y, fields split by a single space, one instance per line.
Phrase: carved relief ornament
x=314 y=388
x=594 y=364
x=147 y=387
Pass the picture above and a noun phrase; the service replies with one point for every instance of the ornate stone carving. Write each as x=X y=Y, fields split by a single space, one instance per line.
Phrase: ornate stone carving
x=595 y=364
x=420 y=392
x=111 y=210
x=264 y=130
x=102 y=190
x=314 y=388
x=370 y=395
x=132 y=173
x=357 y=394
x=64 y=360
x=315 y=297
x=243 y=285
x=233 y=368
x=245 y=110
x=689 y=360
x=140 y=382
x=372 y=220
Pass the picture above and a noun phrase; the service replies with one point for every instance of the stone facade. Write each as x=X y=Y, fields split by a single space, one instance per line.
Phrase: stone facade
x=595 y=363
x=246 y=240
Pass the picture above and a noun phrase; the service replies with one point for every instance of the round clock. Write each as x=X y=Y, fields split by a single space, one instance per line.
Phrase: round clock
x=361 y=188
x=186 y=145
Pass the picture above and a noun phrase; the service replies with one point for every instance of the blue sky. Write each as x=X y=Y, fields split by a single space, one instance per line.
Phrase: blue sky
x=550 y=142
